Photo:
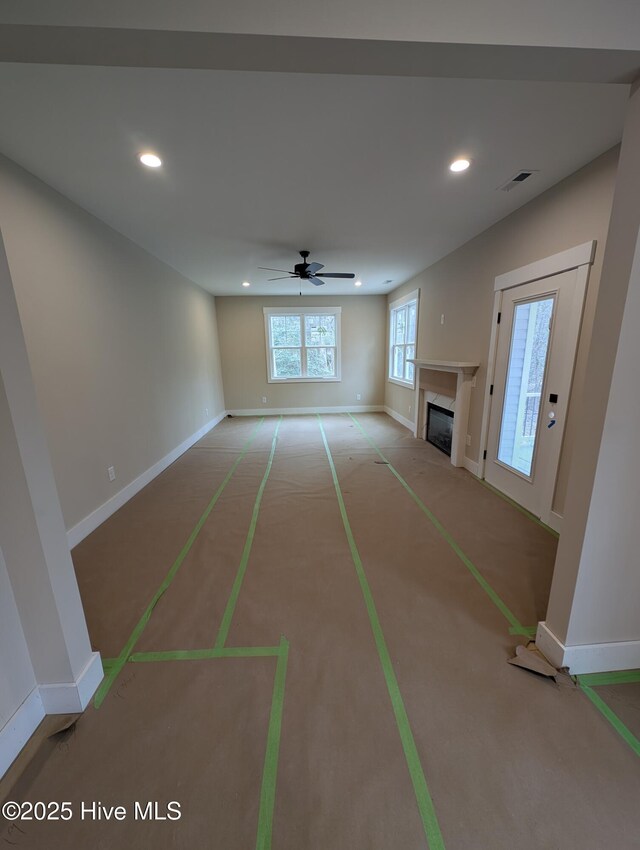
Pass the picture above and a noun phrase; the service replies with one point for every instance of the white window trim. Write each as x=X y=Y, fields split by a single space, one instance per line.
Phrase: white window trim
x=302 y=311
x=400 y=302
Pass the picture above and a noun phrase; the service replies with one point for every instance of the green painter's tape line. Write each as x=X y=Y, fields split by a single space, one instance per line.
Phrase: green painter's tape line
x=225 y=625
x=421 y=790
x=625 y=733
x=518 y=507
x=526 y=631
x=121 y=660
x=197 y=654
x=619 y=677
x=506 y=612
x=270 y=770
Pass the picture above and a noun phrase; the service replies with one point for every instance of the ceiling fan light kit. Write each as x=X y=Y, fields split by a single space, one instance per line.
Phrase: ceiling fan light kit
x=309 y=271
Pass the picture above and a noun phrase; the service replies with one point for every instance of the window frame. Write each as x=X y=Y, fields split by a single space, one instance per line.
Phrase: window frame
x=316 y=310
x=394 y=306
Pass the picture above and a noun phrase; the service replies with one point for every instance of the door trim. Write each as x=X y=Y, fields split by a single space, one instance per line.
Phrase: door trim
x=572 y=258
x=580 y=257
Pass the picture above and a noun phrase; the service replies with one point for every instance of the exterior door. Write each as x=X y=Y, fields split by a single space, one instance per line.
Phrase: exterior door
x=535 y=356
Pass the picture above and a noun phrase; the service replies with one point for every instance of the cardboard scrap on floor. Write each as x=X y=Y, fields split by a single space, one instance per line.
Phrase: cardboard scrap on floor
x=530 y=658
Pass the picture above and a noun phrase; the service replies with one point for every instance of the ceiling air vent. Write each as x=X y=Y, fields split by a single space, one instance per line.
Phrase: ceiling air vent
x=517 y=179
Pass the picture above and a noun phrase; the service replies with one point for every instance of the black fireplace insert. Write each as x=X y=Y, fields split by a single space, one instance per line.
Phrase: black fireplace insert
x=439 y=427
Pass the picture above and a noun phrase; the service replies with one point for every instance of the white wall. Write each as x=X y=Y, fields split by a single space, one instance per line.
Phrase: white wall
x=17 y=678
x=594 y=612
x=606 y=604
x=123 y=349
x=35 y=556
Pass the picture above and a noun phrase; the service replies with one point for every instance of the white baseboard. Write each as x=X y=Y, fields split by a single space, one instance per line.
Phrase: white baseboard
x=588 y=658
x=97 y=517
x=73 y=697
x=63 y=698
x=401 y=419
x=473 y=466
x=296 y=411
x=19 y=728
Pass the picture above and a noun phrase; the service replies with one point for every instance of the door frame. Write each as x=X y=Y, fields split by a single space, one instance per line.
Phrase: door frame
x=579 y=257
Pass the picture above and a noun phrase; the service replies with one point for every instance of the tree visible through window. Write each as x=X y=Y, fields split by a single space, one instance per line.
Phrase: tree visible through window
x=303 y=346
x=403 y=320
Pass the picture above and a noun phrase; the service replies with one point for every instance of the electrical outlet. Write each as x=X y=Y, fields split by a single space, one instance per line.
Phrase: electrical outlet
x=264 y=399
x=112 y=473
x=358 y=396
x=468 y=439
x=442 y=319
x=410 y=408
x=473 y=381
x=206 y=411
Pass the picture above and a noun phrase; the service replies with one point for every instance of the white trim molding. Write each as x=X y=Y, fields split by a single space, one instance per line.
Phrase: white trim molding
x=309 y=411
x=408 y=423
x=99 y=515
x=572 y=258
x=464 y=372
x=472 y=466
x=396 y=305
x=73 y=697
x=588 y=658
x=19 y=728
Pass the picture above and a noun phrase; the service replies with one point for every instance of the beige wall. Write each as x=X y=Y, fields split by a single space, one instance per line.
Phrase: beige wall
x=123 y=349
x=461 y=286
x=244 y=362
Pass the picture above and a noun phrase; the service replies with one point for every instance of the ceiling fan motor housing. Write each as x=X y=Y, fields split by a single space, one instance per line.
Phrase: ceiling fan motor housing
x=301 y=268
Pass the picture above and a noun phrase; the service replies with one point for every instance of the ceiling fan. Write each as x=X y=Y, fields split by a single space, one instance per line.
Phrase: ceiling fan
x=308 y=271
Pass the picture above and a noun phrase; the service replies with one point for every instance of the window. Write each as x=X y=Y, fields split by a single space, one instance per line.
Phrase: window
x=403 y=329
x=302 y=345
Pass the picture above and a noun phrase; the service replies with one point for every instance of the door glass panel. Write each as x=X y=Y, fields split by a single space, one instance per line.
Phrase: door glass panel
x=523 y=388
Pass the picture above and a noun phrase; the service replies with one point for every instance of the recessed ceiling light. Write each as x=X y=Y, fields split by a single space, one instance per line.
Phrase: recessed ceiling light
x=358 y=283
x=459 y=165
x=246 y=283
x=150 y=160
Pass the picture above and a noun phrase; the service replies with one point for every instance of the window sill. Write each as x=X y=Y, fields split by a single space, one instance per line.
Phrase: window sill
x=303 y=380
x=409 y=385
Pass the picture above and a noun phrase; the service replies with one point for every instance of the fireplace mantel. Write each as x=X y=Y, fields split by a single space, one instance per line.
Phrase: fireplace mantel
x=464 y=372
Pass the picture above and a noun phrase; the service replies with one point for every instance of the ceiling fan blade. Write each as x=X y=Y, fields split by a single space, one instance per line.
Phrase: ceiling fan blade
x=344 y=275
x=316 y=282
x=267 y=269
x=312 y=268
x=290 y=277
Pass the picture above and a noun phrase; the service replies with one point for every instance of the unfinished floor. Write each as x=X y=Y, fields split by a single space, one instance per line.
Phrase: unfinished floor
x=305 y=624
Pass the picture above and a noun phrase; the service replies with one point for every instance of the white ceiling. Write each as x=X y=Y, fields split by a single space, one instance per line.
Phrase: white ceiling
x=571 y=23
x=259 y=165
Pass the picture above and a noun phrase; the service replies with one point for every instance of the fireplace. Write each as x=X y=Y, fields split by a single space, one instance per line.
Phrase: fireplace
x=439 y=427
